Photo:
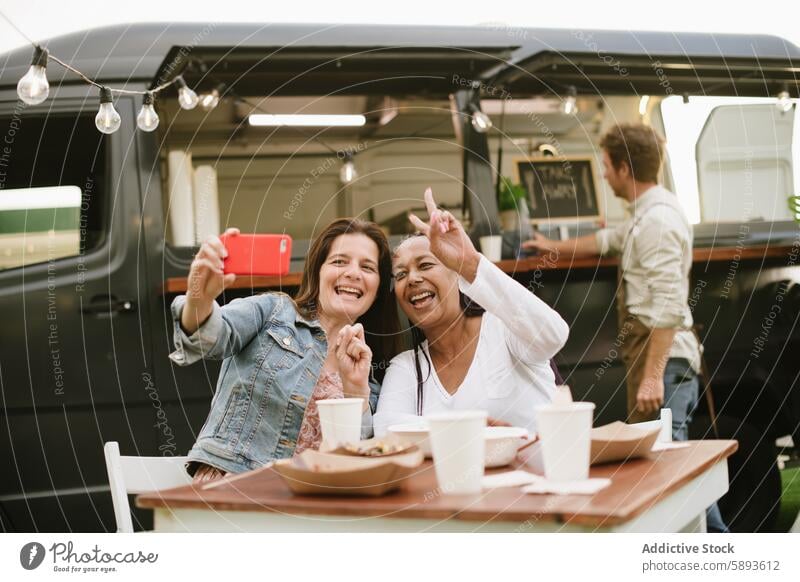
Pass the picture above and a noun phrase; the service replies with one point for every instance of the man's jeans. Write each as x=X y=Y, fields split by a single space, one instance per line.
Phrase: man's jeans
x=681 y=393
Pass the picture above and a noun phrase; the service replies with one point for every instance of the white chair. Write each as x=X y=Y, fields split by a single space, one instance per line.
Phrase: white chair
x=139 y=475
x=796 y=526
x=664 y=423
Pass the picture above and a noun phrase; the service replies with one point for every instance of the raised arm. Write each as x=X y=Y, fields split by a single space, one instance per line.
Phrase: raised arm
x=534 y=331
x=225 y=332
x=203 y=329
x=205 y=282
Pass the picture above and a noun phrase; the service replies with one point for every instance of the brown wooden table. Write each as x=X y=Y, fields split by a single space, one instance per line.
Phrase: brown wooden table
x=666 y=493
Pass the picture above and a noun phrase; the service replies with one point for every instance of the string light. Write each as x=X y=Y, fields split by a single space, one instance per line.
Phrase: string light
x=33 y=88
x=186 y=97
x=645 y=99
x=480 y=121
x=209 y=101
x=570 y=104
x=147 y=120
x=107 y=119
x=784 y=103
x=348 y=173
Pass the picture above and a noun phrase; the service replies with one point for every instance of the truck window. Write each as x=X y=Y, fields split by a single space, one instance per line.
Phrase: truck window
x=732 y=158
x=52 y=177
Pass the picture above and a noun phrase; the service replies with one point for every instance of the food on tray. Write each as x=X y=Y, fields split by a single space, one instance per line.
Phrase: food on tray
x=376 y=448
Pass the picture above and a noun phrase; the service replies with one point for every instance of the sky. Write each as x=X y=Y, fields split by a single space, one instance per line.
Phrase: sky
x=42 y=19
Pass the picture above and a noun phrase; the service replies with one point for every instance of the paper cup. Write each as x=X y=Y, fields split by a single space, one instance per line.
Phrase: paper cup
x=492 y=247
x=458 y=442
x=665 y=436
x=340 y=419
x=565 y=431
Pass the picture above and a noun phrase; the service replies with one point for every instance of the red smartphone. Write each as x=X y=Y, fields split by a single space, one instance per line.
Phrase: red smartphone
x=257 y=254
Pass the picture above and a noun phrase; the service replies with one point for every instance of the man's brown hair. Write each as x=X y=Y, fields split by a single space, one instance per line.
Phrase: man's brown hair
x=637 y=145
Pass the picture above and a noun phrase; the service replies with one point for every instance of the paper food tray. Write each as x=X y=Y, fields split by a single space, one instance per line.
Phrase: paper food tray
x=619 y=441
x=316 y=473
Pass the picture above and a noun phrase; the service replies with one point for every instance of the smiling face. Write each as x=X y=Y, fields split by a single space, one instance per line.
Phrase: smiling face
x=426 y=290
x=349 y=278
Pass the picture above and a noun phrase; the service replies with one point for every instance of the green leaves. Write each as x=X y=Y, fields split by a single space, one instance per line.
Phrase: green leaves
x=510 y=194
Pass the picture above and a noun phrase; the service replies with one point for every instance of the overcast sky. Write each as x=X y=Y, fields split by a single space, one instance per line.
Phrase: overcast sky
x=42 y=19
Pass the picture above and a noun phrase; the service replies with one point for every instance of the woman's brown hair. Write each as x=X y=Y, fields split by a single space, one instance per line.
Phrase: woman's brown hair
x=381 y=323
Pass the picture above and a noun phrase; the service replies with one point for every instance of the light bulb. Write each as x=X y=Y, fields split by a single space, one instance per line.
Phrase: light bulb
x=643 y=101
x=209 y=101
x=186 y=97
x=107 y=119
x=147 y=120
x=784 y=103
x=570 y=104
x=480 y=121
x=348 y=172
x=33 y=88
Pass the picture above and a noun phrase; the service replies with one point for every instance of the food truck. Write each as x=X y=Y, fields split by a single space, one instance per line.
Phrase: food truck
x=98 y=230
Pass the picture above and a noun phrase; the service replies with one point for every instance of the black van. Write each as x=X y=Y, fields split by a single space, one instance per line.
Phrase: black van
x=94 y=246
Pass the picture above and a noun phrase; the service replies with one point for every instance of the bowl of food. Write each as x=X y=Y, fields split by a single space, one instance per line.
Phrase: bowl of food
x=413 y=434
x=502 y=443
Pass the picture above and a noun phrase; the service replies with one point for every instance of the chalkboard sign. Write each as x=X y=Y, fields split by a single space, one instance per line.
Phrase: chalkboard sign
x=560 y=189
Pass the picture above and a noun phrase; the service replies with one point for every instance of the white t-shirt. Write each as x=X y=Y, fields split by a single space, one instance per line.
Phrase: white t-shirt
x=510 y=373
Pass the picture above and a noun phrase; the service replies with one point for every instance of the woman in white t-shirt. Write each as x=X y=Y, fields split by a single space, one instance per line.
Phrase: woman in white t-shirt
x=481 y=340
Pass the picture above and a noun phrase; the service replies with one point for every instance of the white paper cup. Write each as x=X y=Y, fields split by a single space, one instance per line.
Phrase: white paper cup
x=492 y=247
x=565 y=431
x=665 y=436
x=340 y=419
x=458 y=442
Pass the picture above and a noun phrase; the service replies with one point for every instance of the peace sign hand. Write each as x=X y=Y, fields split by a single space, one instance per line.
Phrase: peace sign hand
x=449 y=242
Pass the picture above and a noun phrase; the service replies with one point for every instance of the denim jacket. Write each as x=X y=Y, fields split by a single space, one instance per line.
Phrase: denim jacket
x=272 y=359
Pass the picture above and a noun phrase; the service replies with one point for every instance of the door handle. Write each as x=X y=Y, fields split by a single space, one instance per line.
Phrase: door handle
x=108 y=304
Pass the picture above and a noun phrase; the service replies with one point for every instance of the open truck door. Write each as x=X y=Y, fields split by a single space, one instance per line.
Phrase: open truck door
x=76 y=358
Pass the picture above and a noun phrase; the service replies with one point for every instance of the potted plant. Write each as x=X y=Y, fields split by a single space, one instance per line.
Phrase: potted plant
x=511 y=203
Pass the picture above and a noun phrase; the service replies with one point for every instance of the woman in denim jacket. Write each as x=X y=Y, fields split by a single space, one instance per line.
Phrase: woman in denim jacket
x=282 y=355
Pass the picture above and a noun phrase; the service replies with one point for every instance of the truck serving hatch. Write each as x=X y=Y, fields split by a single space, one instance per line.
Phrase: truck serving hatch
x=425 y=71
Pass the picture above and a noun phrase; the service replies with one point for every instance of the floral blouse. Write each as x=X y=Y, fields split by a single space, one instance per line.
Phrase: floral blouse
x=329 y=385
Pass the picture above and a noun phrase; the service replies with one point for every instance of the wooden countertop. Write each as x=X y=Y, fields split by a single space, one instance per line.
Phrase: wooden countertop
x=544 y=262
x=636 y=485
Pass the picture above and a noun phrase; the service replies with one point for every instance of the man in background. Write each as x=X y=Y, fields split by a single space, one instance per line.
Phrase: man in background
x=659 y=348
